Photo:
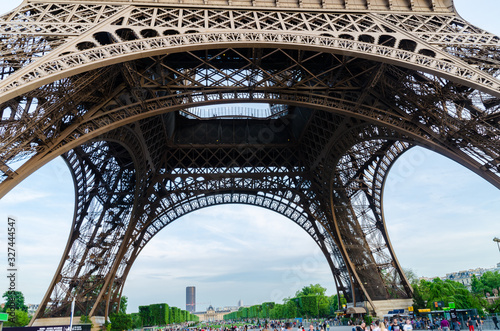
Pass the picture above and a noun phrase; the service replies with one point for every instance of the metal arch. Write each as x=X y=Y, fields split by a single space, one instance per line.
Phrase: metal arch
x=301 y=218
x=115 y=119
x=60 y=67
x=315 y=230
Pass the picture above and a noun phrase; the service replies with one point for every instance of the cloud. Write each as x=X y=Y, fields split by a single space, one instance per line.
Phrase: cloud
x=440 y=220
x=21 y=196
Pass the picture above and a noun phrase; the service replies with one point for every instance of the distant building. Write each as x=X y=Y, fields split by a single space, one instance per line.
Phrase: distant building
x=212 y=315
x=32 y=308
x=191 y=299
x=240 y=303
x=465 y=277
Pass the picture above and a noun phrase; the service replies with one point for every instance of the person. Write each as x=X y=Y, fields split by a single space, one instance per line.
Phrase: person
x=479 y=323
x=445 y=325
x=361 y=327
x=377 y=326
x=456 y=325
x=288 y=326
x=394 y=325
x=438 y=324
x=470 y=324
x=408 y=326
x=495 y=321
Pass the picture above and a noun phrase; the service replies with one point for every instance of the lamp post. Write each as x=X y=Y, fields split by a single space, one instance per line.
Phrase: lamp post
x=497 y=240
x=72 y=313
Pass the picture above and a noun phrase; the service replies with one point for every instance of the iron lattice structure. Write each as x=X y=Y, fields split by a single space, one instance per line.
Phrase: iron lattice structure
x=119 y=88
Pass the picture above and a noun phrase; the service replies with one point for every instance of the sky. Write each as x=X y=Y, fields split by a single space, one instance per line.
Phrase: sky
x=441 y=218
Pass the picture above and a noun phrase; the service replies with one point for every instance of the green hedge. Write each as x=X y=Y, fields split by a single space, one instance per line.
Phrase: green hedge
x=302 y=306
x=160 y=314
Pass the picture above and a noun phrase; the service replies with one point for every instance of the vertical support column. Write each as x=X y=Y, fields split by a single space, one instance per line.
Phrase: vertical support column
x=356 y=190
x=105 y=181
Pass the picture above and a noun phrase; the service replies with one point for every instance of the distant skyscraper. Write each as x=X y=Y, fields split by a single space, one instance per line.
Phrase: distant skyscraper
x=191 y=299
x=240 y=303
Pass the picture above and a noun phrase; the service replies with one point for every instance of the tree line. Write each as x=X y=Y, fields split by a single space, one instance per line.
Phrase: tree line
x=309 y=302
x=158 y=314
x=161 y=314
x=425 y=292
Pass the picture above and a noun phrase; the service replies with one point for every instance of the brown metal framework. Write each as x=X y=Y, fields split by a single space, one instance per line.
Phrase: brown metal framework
x=119 y=89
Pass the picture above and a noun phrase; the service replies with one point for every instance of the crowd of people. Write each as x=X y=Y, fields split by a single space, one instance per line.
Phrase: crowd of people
x=474 y=323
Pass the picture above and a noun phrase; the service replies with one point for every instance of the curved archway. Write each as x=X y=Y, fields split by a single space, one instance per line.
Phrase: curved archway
x=91 y=57
x=241 y=251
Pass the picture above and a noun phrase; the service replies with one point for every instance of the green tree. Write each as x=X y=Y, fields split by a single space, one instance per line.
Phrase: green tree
x=16 y=299
x=309 y=305
x=311 y=290
x=486 y=283
x=493 y=307
x=291 y=310
x=136 y=321
x=120 y=321
x=145 y=314
x=123 y=304
x=323 y=306
x=333 y=304
x=21 y=318
x=411 y=275
x=425 y=293
x=419 y=297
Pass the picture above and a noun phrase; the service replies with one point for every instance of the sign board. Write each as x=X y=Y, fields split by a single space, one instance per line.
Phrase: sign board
x=438 y=304
x=4 y=317
x=451 y=305
x=427 y=310
x=453 y=314
x=410 y=308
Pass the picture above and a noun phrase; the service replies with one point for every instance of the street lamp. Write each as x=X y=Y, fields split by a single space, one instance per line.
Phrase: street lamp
x=497 y=240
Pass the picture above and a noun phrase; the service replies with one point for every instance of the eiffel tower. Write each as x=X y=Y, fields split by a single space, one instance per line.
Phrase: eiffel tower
x=163 y=107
